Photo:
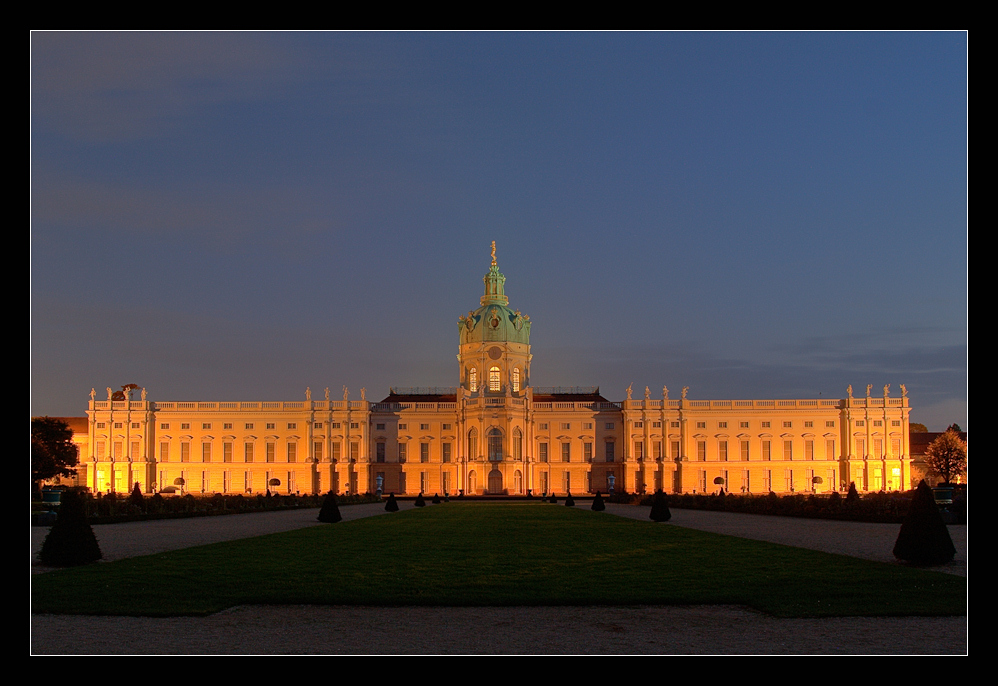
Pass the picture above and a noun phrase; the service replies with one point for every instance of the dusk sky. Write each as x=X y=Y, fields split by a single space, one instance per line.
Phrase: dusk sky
x=236 y=216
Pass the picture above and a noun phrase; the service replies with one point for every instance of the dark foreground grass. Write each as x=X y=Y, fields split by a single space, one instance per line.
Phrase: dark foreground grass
x=498 y=554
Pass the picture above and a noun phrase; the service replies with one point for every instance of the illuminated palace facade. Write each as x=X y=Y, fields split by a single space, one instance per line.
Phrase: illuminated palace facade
x=496 y=433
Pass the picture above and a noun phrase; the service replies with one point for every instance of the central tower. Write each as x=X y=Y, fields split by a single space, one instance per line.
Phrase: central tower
x=494 y=352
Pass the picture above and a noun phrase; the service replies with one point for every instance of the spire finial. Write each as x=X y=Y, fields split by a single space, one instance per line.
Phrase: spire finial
x=493 y=253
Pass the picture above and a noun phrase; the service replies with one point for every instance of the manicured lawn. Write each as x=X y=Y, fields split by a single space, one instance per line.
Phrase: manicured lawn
x=498 y=554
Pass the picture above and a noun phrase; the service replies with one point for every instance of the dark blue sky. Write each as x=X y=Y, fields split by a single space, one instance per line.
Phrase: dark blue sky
x=237 y=216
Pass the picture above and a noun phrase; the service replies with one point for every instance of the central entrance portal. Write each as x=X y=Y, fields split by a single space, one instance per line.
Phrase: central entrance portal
x=495 y=482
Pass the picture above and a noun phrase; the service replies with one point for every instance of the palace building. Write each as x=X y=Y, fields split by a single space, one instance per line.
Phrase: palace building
x=496 y=433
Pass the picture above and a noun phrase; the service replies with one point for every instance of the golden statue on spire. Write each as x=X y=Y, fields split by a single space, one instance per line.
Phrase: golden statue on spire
x=493 y=253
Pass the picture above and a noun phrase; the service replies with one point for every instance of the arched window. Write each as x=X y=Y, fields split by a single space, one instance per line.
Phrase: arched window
x=473 y=380
x=473 y=445
x=516 y=379
x=495 y=444
x=495 y=382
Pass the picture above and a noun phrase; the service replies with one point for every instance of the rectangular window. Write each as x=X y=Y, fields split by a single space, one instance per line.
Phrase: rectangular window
x=674 y=425
x=765 y=425
x=861 y=447
x=609 y=426
x=424 y=482
x=117 y=450
x=587 y=452
x=722 y=451
x=877 y=422
x=743 y=425
x=402 y=427
x=424 y=452
x=722 y=425
x=226 y=452
x=639 y=425
x=808 y=450
x=587 y=425
x=895 y=447
x=860 y=422
x=247 y=452
x=317 y=450
x=446 y=427
x=808 y=425
x=656 y=425
x=566 y=452
x=354 y=425
x=767 y=450
x=566 y=425
x=379 y=452
x=830 y=450
x=788 y=450
x=185 y=452
x=544 y=427
x=100 y=450
x=164 y=452
x=566 y=481
x=675 y=450
x=334 y=425
x=205 y=425
x=788 y=477
x=767 y=480
x=379 y=427
x=639 y=450
x=292 y=425
x=184 y=425
x=226 y=426
x=702 y=451
x=609 y=451
x=895 y=422
x=788 y=425
x=402 y=452
x=658 y=450
x=271 y=451
x=318 y=425
x=161 y=426
x=701 y=425
x=746 y=485
x=446 y=452
x=334 y=451
x=354 y=451
x=830 y=424
x=103 y=425
x=206 y=452
x=745 y=451
x=117 y=425
x=249 y=425
x=878 y=448
x=424 y=427
x=134 y=454
x=271 y=425
x=543 y=452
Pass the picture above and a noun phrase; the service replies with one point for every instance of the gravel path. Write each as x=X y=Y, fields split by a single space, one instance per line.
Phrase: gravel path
x=630 y=630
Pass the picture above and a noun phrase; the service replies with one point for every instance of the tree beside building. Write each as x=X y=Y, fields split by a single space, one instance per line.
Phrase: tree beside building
x=947 y=456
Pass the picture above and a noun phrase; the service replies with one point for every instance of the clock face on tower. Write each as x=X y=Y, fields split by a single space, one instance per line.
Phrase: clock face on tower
x=495 y=352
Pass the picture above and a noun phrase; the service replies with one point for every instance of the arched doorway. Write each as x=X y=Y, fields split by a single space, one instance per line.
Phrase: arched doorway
x=472 y=482
x=495 y=481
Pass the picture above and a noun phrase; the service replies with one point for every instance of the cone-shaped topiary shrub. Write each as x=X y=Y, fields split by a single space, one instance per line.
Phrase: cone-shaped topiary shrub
x=419 y=500
x=436 y=499
x=660 y=508
x=391 y=505
x=598 y=505
x=553 y=499
x=135 y=497
x=924 y=539
x=329 y=513
x=852 y=495
x=569 y=501
x=71 y=541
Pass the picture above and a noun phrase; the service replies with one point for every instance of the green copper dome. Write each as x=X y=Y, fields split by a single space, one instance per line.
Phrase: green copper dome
x=494 y=320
